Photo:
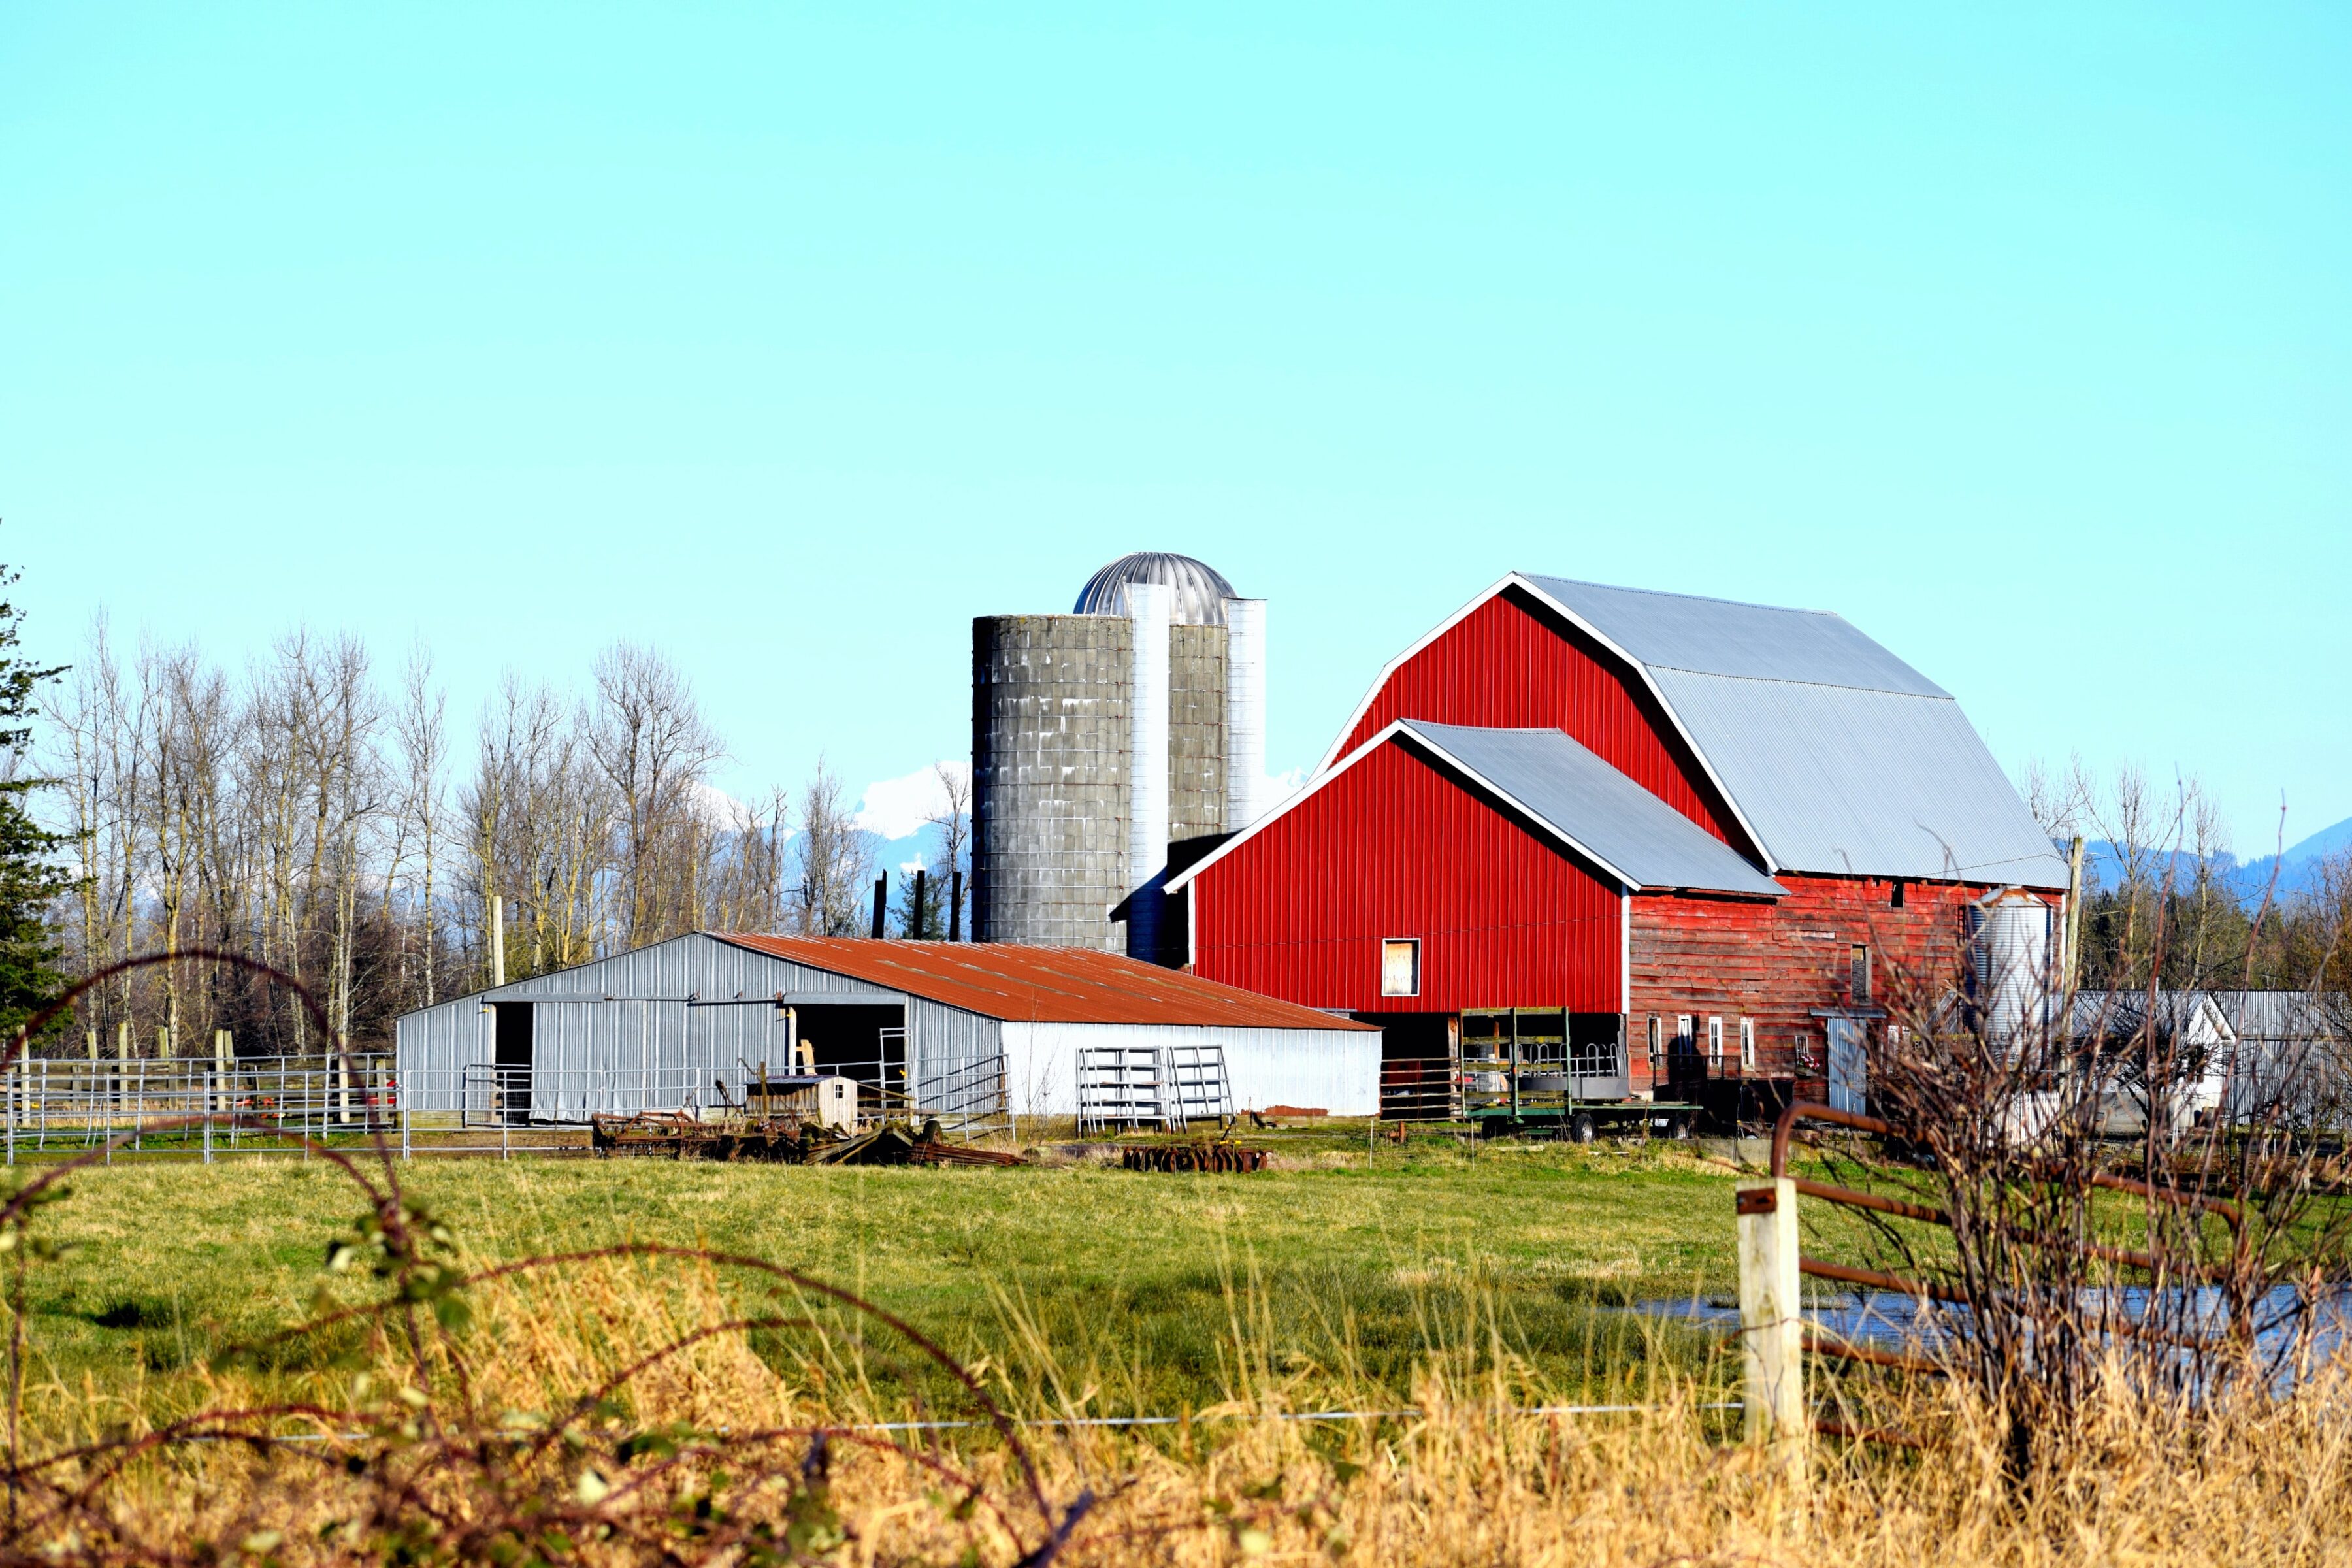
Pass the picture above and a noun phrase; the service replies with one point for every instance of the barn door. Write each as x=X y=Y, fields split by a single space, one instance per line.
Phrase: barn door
x=1686 y=1068
x=1849 y=1069
x=512 y=1052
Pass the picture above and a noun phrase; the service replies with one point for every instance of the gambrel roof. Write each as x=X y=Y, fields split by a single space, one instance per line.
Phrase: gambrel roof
x=1833 y=755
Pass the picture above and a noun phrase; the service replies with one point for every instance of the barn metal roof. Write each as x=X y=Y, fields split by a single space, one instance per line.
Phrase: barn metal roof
x=1838 y=756
x=1724 y=636
x=1041 y=984
x=1582 y=799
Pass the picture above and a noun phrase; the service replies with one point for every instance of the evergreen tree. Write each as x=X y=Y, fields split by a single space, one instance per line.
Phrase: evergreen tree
x=929 y=922
x=31 y=878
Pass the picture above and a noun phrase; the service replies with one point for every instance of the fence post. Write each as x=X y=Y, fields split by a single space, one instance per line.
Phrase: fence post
x=15 y=1076
x=209 y=1116
x=1771 y=1325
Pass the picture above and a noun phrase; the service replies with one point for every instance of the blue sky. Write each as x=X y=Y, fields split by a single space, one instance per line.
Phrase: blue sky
x=790 y=341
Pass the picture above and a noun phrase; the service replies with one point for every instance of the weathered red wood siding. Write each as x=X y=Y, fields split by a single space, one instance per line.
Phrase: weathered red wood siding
x=1394 y=847
x=1513 y=664
x=1775 y=962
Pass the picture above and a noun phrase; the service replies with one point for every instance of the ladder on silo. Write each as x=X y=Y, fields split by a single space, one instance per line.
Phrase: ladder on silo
x=1196 y=1084
x=1123 y=1087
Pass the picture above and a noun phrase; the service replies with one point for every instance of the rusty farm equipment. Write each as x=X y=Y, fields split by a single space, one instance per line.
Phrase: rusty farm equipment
x=1179 y=1157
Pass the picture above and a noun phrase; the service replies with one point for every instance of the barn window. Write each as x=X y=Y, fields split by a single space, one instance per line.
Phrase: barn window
x=1401 y=966
x=1657 y=1048
x=1897 y=901
x=1715 y=1046
x=1748 y=1045
x=1858 y=958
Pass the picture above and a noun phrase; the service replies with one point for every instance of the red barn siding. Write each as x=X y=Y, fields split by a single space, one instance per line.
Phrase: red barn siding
x=1775 y=962
x=1513 y=664
x=1394 y=847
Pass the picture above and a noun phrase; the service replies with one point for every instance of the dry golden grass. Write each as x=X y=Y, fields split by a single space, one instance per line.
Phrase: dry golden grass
x=490 y=1453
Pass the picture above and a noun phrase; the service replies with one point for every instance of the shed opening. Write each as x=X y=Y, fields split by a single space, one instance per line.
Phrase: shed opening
x=865 y=1041
x=510 y=1054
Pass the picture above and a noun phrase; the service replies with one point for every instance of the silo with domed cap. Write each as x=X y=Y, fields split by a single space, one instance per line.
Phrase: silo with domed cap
x=1062 y=836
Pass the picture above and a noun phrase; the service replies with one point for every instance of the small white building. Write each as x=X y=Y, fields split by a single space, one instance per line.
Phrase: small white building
x=690 y=1023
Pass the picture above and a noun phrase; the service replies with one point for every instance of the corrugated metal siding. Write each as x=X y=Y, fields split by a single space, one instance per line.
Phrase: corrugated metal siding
x=1511 y=664
x=628 y=1014
x=1337 y=1069
x=1840 y=781
x=1393 y=848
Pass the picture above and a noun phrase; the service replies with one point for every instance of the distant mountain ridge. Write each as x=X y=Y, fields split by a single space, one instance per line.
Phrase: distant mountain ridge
x=2298 y=866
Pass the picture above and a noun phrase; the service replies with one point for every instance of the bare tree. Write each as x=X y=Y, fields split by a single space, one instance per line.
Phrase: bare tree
x=294 y=813
x=2057 y=800
x=656 y=751
x=953 y=819
x=2097 y=1223
x=836 y=859
x=540 y=824
x=423 y=748
x=748 y=872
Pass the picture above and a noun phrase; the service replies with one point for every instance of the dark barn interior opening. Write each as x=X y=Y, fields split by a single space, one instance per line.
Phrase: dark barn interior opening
x=865 y=1041
x=511 y=1049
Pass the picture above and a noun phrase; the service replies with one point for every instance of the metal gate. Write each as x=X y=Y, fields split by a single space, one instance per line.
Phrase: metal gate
x=1197 y=1086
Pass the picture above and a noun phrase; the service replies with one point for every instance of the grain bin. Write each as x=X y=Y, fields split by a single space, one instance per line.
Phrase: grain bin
x=1059 y=829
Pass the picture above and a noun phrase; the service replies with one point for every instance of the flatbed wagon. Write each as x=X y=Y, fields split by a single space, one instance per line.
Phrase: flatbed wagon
x=1582 y=1121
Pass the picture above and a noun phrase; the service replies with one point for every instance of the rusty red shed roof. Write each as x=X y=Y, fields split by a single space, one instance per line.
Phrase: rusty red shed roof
x=1044 y=984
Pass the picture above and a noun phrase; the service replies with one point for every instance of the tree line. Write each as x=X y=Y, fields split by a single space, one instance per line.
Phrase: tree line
x=2166 y=902
x=313 y=811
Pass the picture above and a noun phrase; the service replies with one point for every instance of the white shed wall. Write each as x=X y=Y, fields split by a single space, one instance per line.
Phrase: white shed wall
x=1338 y=1069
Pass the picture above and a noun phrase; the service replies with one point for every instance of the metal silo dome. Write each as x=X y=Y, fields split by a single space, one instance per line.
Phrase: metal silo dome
x=1200 y=590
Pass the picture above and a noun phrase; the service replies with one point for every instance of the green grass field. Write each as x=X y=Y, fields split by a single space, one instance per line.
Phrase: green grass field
x=1147 y=1287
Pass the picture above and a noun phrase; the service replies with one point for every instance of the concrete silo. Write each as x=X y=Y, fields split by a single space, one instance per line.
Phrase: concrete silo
x=1078 y=788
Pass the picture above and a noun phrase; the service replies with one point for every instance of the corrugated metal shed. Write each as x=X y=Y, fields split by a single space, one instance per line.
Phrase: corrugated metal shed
x=662 y=1027
x=1045 y=985
x=1609 y=817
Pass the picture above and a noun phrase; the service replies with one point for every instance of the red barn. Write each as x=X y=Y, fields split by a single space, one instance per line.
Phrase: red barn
x=1675 y=833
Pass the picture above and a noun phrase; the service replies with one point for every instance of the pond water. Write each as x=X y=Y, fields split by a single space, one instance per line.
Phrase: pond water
x=1889 y=1320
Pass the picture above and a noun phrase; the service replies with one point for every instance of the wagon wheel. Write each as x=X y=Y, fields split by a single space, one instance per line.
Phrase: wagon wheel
x=1581 y=1128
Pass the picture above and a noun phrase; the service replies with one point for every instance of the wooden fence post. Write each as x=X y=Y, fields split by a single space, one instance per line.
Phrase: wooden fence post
x=1771 y=1325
